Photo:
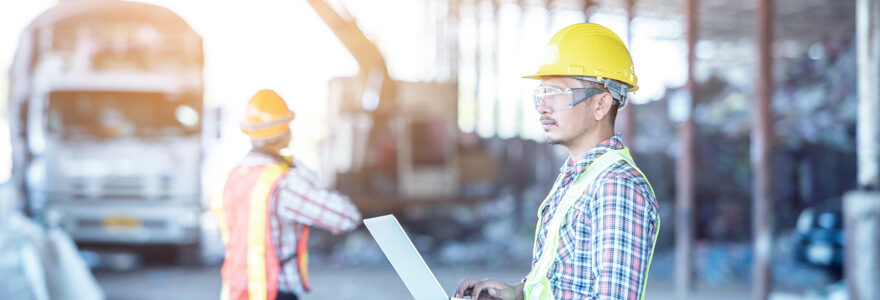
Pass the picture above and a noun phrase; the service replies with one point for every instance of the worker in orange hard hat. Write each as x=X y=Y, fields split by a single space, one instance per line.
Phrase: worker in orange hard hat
x=266 y=209
x=597 y=227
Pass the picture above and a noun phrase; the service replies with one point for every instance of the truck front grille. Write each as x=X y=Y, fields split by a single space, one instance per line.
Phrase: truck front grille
x=122 y=185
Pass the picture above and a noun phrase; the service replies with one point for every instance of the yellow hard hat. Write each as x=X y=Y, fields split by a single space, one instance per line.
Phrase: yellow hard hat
x=588 y=50
x=267 y=116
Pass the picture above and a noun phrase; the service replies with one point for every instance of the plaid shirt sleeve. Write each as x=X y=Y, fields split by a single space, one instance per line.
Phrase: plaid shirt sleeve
x=623 y=224
x=302 y=200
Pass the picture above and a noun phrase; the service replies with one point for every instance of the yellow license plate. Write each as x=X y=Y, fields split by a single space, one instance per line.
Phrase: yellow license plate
x=121 y=222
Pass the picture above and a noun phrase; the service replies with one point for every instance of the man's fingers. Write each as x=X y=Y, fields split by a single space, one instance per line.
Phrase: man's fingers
x=478 y=289
x=464 y=287
x=459 y=290
x=490 y=293
x=483 y=287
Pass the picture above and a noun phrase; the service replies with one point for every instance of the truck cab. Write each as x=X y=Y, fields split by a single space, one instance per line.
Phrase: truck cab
x=106 y=117
x=116 y=157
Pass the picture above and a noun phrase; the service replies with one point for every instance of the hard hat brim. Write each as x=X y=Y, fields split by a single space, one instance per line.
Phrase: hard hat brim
x=632 y=88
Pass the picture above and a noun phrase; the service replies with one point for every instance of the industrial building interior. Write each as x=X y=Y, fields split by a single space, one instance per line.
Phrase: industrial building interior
x=755 y=122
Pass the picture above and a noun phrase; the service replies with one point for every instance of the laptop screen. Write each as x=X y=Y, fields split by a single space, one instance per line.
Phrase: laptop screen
x=405 y=259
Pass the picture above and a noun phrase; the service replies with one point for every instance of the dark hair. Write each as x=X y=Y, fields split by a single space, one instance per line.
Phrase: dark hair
x=615 y=105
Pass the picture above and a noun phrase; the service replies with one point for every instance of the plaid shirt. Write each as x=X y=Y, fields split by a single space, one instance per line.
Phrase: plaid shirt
x=299 y=200
x=606 y=241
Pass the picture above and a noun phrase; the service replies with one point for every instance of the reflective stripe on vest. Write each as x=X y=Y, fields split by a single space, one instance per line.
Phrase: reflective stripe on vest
x=537 y=286
x=302 y=258
x=256 y=250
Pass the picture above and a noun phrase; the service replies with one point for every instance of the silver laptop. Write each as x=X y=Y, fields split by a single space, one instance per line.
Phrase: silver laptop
x=405 y=259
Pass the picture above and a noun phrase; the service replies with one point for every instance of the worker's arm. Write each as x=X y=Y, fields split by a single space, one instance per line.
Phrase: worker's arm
x=623 y=225
x=302 y=200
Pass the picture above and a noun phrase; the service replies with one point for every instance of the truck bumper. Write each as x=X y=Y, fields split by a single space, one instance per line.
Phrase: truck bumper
x=127 y=223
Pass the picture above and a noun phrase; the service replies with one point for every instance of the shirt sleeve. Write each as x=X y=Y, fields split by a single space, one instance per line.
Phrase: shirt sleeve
x=624 y=223
x=302 y=200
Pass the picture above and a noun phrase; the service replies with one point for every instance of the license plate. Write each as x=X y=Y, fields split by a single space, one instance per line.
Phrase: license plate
x=121 y=222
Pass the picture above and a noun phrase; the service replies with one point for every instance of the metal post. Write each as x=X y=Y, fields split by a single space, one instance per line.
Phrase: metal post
x=762 y=199
x=487 y=98
x=685 y=187
x=862 y=208
x=868 y=47
x=453 y=21
x=468 y=64
x=588 y=9
x=628 y=113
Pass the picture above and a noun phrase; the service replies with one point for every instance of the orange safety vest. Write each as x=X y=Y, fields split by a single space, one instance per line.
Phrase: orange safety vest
x=251 y=267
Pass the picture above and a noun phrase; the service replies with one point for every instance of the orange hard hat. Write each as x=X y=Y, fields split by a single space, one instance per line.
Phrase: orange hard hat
x=267 y=116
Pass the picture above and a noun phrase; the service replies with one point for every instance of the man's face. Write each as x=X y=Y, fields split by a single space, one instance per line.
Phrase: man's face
x=563 y=126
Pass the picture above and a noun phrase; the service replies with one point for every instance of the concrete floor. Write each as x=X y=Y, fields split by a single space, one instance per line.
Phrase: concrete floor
x=335 y=283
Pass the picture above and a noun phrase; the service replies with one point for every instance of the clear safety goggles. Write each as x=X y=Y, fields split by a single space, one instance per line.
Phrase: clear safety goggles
x=562 y=98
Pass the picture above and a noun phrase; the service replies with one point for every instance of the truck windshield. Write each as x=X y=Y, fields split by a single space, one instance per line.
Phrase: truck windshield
x=111 y=115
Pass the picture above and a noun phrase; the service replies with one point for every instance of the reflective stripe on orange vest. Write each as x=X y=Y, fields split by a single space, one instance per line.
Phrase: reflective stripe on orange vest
x=302 y=258
x=258 y=287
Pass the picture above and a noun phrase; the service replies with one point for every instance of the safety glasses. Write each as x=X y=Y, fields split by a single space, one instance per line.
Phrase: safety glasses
x=562 y=98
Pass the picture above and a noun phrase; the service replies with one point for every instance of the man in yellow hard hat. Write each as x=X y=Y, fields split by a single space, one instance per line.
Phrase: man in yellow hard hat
x=266 y=209
x=597 y=228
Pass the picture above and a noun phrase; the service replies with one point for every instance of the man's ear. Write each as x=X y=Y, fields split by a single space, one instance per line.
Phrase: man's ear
x=602 y=106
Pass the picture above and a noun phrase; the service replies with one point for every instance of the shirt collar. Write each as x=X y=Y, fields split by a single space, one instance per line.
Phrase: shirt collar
x=572 y=167
x=261 y=158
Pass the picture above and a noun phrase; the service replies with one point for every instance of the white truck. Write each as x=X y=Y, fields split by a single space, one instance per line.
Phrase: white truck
x=106 y=123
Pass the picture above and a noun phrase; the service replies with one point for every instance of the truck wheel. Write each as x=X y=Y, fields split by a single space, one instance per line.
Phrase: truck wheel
x=189 y=255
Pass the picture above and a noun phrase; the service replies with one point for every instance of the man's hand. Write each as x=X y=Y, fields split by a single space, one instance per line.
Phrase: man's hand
x=488 y=289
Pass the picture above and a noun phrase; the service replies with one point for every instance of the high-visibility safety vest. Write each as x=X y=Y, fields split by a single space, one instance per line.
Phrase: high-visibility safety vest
x=537 y=286
x=250 y=269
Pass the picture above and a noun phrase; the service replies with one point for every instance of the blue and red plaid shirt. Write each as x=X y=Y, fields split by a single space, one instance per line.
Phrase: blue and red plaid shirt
x=606 y=241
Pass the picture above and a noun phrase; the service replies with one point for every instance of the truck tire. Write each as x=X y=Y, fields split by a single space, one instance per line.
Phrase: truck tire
x=189 y=255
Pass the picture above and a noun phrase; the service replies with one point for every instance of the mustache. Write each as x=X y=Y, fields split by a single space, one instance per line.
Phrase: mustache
x=548 y=120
